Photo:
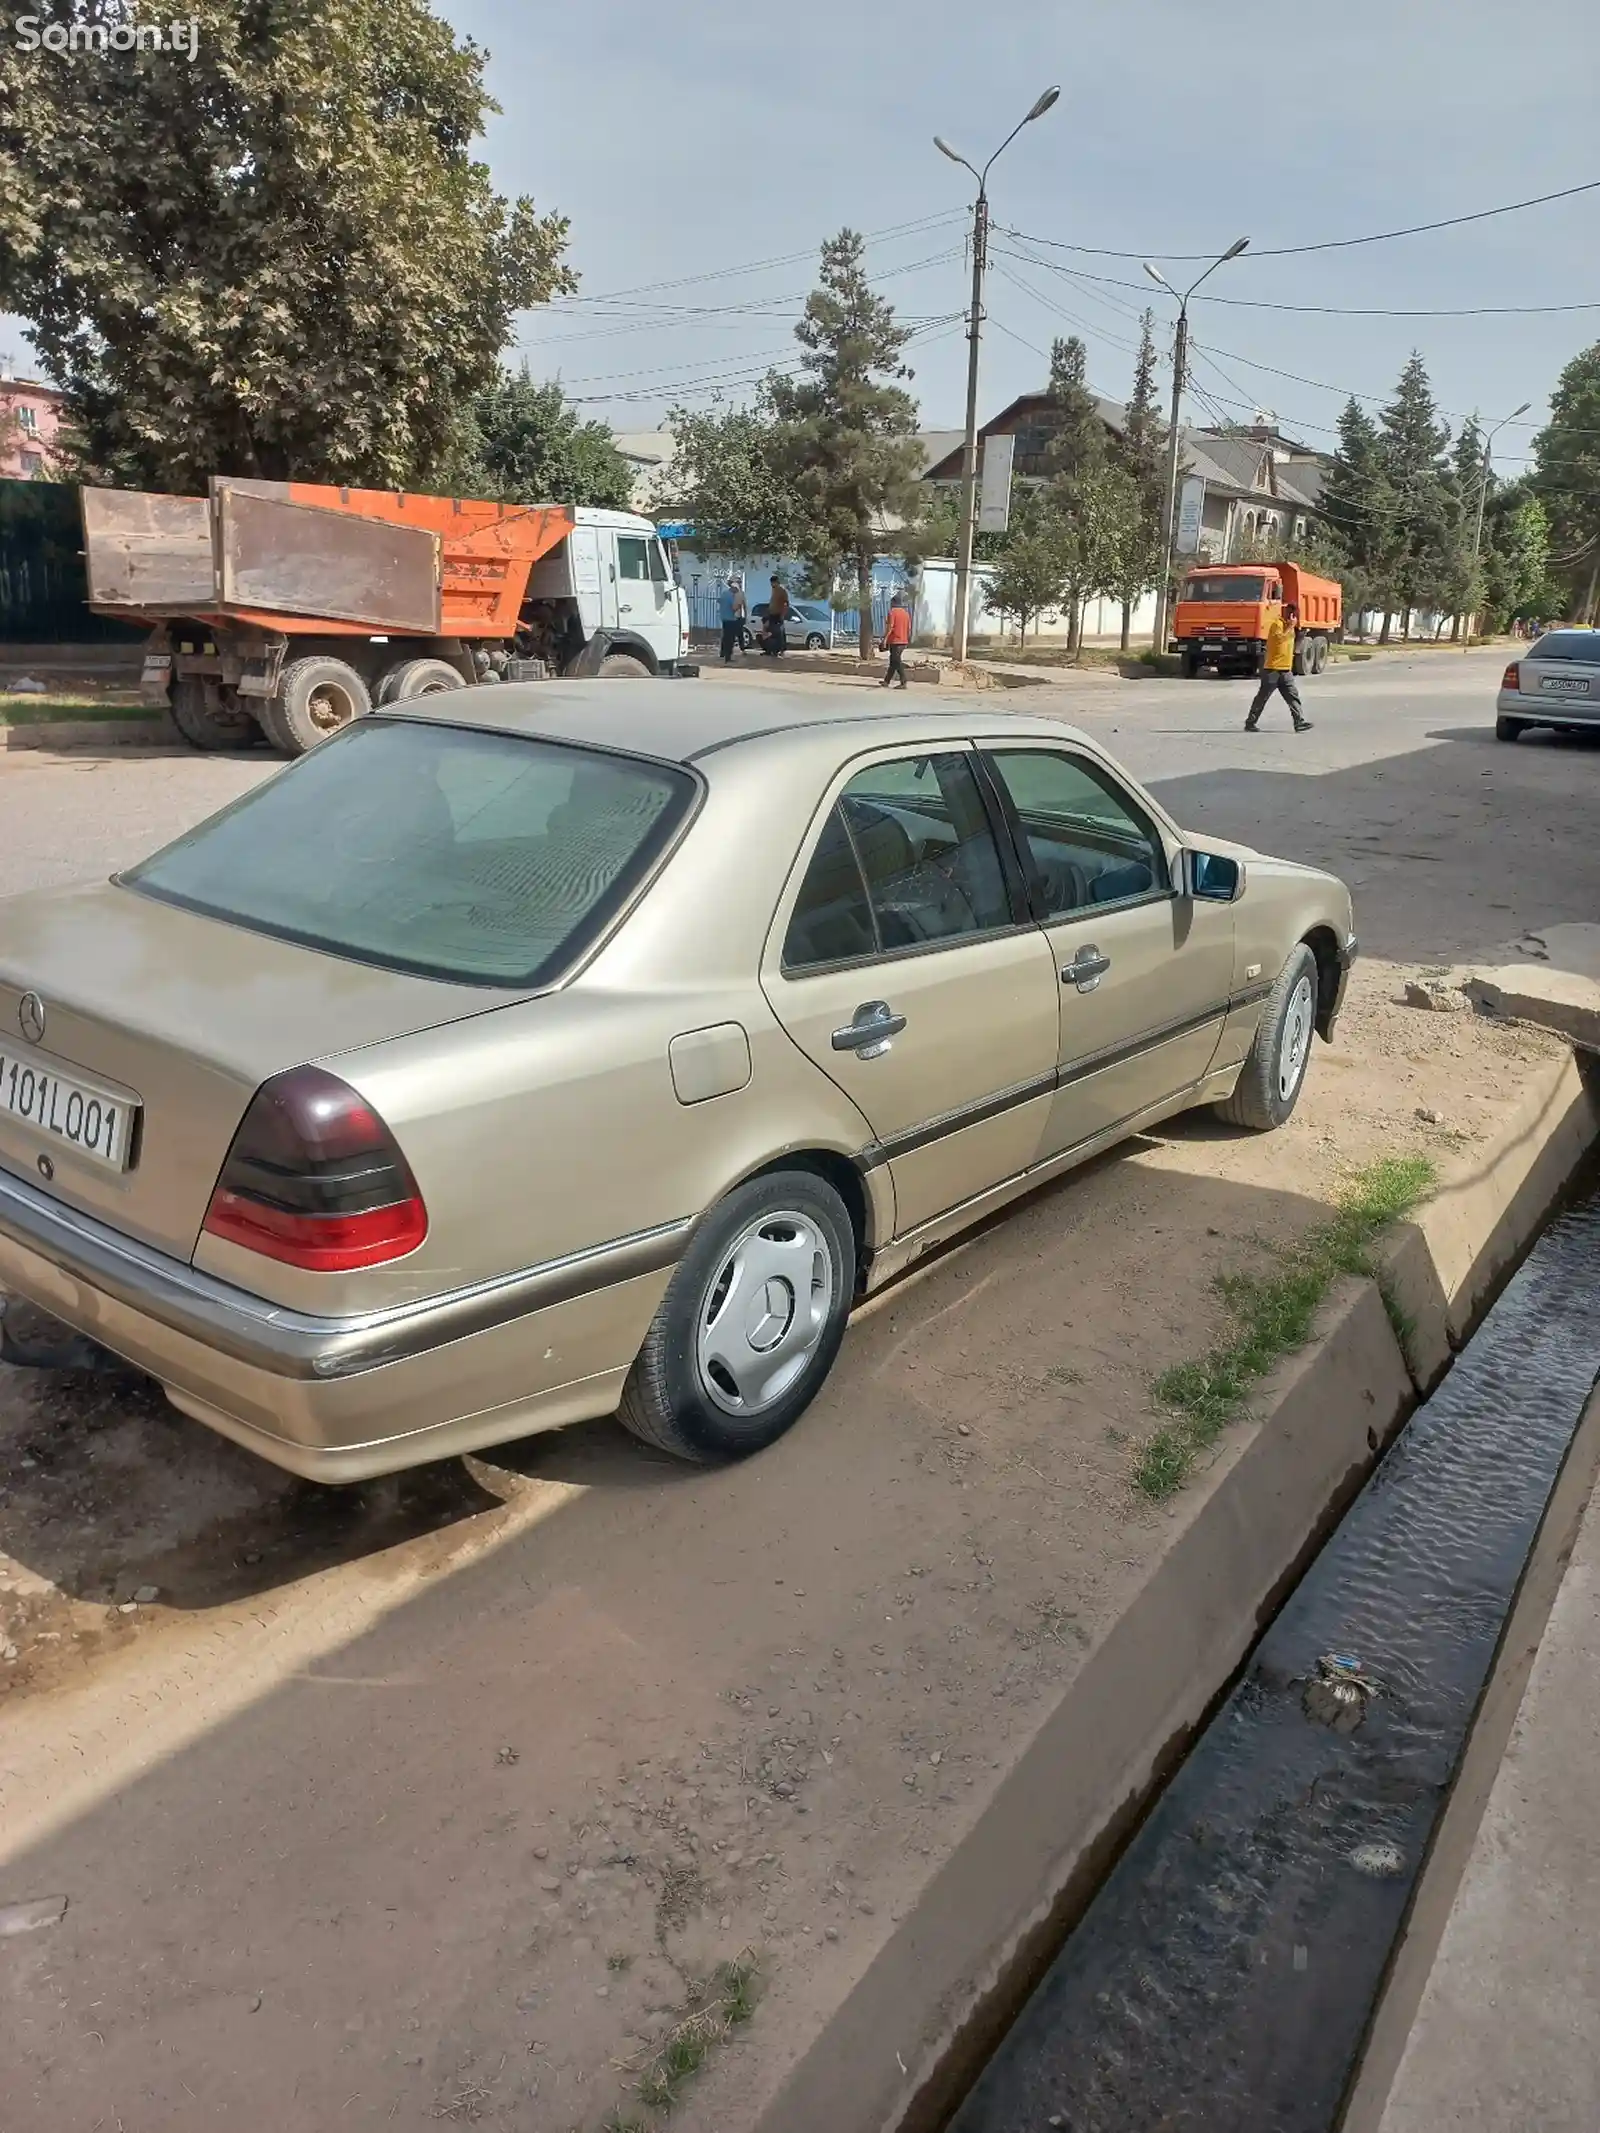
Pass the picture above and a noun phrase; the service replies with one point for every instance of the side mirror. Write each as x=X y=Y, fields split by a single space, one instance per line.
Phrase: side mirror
x=1211 y=878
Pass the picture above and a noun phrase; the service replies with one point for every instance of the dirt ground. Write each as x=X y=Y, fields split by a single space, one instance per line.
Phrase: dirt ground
x=655 y=1721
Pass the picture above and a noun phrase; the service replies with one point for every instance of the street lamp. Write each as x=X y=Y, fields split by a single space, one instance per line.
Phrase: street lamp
x=1483 y=495
x=1180 y=358
x=969 y=450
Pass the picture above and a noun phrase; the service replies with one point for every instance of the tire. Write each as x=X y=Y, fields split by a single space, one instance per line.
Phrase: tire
x=623 y=666
x=816 y=642
x=1508 y=729
x=316 y=697
x=1274 y=1071
x=418 y=677
x=683 y=1394
x=203 y=727
x=1190 y=665
x=1302 y=658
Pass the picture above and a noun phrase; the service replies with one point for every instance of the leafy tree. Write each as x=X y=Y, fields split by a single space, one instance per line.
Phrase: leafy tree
x=937 y=530
x=845 y=440
x=1418 y=539
x=522 y=442
x=726 y=482
x=1030 y=577
x=1516 y=555
x=1567 y=477
x=277 y=257
x=1100 y=511
x=1142 y=452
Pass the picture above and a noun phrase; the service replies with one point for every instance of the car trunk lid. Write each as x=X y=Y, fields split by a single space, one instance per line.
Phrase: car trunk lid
x=179 y=1018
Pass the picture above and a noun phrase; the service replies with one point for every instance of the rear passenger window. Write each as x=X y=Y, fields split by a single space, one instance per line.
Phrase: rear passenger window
x=906 y=858
x=1088 y=842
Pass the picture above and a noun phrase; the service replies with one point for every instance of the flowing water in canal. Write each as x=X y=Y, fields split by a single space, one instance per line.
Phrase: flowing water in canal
x=1224 y=1976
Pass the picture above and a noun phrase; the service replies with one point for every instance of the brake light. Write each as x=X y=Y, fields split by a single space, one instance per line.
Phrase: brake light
x=316 y=1179
x=1512 y=677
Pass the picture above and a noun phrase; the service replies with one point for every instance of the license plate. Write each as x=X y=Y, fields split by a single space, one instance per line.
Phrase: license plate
x=88 y=1118
x=1563 y=685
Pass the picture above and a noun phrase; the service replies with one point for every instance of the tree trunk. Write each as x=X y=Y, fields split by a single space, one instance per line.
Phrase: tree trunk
x=1594 y=592
x=1455 y=629
x=1388 y=624
x=864 y=604
x=1127 y=624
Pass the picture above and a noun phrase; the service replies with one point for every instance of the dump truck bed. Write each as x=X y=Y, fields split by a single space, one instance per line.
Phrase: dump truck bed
x=302 y=557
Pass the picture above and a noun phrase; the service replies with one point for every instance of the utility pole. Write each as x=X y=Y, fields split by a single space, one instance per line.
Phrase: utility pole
x=969 y=447
x=1180 y=365
x=1483 y=498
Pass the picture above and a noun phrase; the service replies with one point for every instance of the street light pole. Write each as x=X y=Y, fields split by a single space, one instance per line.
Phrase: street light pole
x=1483 y=497
x=1180 y=364
x=969 y=449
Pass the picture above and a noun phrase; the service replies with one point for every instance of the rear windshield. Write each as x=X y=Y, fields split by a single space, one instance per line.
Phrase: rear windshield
x=1569 y=644
x=482 y=858
x=1225 y=589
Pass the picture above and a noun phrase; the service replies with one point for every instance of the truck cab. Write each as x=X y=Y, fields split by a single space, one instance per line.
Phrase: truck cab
x=611 y=574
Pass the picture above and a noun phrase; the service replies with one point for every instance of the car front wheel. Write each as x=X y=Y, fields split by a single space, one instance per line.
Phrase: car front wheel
x=1274 y=1071
x=750 y=1324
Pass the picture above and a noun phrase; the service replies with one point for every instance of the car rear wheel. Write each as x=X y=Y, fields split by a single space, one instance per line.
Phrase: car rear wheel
x=1509 y=729
x=816 y=642
x=750 y=1323
x=1274 y=1071
x=316 y=698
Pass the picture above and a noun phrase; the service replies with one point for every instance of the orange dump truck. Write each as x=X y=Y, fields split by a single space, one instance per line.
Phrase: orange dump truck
x=1224 y=608
x=285 y=609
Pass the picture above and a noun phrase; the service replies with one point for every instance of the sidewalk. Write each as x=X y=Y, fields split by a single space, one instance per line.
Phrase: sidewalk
x=1505 y=2036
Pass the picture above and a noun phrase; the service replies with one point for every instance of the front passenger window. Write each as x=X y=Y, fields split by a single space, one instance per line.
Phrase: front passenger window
x=1086 y=840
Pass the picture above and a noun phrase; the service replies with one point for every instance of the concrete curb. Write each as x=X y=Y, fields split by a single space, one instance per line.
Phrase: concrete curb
x=66 y=734
x=896 y=2056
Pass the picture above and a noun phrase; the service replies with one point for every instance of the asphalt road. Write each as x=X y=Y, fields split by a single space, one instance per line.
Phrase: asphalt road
x=1453 y=843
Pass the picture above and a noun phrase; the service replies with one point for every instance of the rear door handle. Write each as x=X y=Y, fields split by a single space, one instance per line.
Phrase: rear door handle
x=1086 y=969
x=869 y=1033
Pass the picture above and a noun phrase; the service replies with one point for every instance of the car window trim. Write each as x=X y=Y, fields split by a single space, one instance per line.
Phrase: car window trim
x=1024 y=854
x=1022 y=919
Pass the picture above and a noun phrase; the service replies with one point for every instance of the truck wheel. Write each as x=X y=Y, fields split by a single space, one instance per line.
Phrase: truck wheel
x=315 y=698
x=1190 y=665
x=203 y=727
x=418 y=677
x=1302 y=658
x=622 y=666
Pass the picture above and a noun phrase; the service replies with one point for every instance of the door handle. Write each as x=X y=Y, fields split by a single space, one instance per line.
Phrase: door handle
x=1086 y=969
x=869 y=1033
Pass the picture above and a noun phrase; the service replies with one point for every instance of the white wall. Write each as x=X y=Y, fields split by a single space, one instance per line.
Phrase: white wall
x=1102 y=619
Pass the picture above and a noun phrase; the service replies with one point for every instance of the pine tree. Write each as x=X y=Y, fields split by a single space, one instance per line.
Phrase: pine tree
x=1470 y=479
x=1567 y=455
x=845 y=439
x=1078 y=436
x=1418 y=540
x=1356 y=506
x=1142 y=452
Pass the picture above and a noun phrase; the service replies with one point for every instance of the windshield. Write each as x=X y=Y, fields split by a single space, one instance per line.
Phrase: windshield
x=478 y=858
x=1225 y=589
x=1569 y=644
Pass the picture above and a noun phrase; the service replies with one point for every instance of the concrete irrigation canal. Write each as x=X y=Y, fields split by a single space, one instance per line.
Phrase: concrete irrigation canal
x=1227 y=1972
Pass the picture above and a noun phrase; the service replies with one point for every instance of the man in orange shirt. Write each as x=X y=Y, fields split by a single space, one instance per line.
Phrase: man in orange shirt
x=896 y=636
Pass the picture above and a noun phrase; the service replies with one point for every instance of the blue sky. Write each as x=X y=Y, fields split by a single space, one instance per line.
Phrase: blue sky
x=686 y=144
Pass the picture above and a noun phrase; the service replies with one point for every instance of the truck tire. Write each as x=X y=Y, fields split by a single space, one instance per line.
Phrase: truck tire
x=1190 y=663
x=316 y=697
x=622 y=666
x=418 y=677
x=203 y=727
x=1302 y=657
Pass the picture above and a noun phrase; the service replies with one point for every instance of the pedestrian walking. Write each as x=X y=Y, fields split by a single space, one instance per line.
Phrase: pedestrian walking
x=1277 y=671
x=731 y=609
x=896 y=636
x=775 y=630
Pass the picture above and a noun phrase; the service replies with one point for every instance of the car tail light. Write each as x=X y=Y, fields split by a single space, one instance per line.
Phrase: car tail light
x=1512 y=677
x=316 y=1179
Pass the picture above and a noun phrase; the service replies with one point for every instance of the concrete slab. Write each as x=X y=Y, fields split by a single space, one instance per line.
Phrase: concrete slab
x=1563 y=1001
x=1505 y=2035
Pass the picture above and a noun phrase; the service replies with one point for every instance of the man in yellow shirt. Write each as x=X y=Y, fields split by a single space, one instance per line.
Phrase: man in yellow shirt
x=1277 y=671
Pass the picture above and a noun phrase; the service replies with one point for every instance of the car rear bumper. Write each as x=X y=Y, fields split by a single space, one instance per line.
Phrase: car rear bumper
x=338 y=1399
x=1549 y=710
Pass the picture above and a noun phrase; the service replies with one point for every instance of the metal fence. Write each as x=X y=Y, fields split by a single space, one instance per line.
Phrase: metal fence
x=44 y=594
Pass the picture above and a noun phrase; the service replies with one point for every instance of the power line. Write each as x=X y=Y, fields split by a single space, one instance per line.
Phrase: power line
x=756 y=266
x=1329 y=244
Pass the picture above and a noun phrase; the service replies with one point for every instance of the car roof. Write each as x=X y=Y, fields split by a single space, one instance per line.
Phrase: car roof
x=684 y=721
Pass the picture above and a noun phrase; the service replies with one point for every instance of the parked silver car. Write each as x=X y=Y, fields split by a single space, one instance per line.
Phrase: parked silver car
x=1556 y=682
x=809 y=627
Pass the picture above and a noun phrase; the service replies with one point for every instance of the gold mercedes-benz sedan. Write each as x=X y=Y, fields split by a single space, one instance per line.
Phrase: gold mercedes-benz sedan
x=538 y=1052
